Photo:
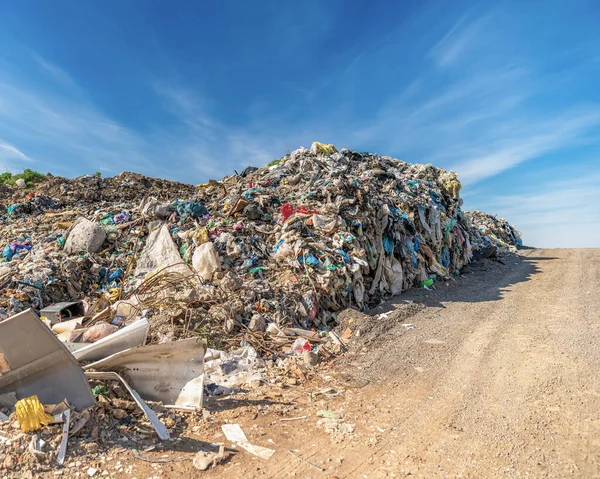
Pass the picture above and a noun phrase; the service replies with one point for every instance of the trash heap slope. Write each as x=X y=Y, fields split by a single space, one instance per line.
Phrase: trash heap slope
x=292 y=243
x=488 y=230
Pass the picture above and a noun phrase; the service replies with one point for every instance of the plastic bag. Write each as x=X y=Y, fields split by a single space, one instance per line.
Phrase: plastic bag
x=301 y=346
x=160 y=252
x=397 y=278
x=325 y=224
x=98 y=331
x=84 y=235
x=206 y=260
x=233 y=368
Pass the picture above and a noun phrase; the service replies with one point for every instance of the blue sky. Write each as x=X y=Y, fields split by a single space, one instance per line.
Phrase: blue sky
x=504 y=93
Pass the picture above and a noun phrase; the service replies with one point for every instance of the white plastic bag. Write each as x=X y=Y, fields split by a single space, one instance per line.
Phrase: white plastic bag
x=160 y=251
x=84 y=235
x=206 y=260
x=98 y=331
x=397 y=278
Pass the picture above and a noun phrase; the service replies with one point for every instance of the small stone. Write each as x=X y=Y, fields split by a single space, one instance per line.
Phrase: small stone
x=92 y=471
x=119 y=413
x=8 y=463
x=169 y=422
x=91 y=448
x=253 y=211
x=257 y=323
x=123 y=404
x=311 y=358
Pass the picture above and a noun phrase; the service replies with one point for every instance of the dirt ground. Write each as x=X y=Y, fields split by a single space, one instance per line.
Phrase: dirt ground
x=493 y=375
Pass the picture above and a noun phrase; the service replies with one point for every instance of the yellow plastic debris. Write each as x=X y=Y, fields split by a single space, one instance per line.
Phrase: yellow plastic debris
x=113 y=294
x=206 y=185
x=322 y=148
x=451 y=184
x=31 y=415
x=201 y=236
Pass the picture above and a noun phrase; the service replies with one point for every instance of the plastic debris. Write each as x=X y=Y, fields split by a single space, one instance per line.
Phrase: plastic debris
x=177 y=366
x=84 y=235
x=300 y=346
x=31 y=414
x=292 y=244
x=235 y=434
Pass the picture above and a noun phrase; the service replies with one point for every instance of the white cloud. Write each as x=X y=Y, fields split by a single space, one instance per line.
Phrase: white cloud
x=10 y=152
x=69 y=135
x=463 y=37
x=486 y=112
x=63 y=131
x=55 y=72
x=558 y=213
x=527 y=142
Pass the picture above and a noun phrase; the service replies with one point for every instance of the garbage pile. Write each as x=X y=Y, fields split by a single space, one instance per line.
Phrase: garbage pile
x=137 y=296
x=94 y=189
x=291 y=244
x=493 y=234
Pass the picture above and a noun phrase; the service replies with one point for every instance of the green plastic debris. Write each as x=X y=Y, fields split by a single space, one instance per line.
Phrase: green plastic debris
x=100 y=390
x=60 y=241
x=256 y=269
x=108 y=220
x=427 y=283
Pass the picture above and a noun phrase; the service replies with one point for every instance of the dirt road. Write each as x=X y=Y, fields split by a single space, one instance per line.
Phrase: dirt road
x=495 y=375
x=504 y=383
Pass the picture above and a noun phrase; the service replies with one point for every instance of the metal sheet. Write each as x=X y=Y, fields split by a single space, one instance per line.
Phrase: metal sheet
x=172 y=373
x=129 y=337
x=63 y=311
x=40 y=364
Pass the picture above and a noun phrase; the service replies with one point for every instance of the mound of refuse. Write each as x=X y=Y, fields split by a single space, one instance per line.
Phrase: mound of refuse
x=288 y=245
x=491 y=233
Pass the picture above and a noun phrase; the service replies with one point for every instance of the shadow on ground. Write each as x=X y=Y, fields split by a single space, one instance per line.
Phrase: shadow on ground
x=483 y=280
x=376 y=336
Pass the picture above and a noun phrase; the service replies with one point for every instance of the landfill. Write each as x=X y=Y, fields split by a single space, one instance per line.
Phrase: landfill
x=235 y=276
x=488 y=230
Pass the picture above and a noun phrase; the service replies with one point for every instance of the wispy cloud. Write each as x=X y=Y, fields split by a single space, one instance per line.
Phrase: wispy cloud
x=464 y=36
x=210 y=147
x=489 y=109
x=554 y=213
x=10 y=152
x=55 y=72
x=184 y=104
x=56 y=126
x=526 y=142
x=64 y=131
